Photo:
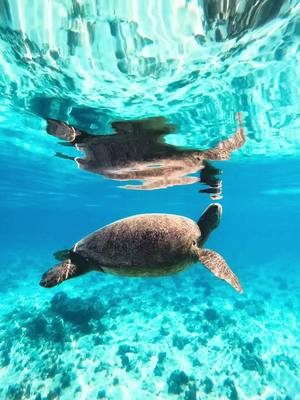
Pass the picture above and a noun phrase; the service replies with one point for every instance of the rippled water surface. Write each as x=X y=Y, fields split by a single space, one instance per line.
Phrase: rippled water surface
x=194 y=65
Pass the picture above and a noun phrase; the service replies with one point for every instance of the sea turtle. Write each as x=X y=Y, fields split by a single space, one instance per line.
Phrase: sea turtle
x=138 y=151
x=145 y=245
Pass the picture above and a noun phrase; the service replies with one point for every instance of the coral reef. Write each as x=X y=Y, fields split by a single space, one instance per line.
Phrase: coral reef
x=111 y=338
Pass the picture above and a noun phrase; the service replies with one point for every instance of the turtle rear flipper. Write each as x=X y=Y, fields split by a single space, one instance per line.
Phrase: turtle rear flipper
x=224 y=148
x=219 y=267
x=59 y=273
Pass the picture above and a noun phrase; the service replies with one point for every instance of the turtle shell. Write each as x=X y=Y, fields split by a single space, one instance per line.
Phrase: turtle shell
x=143 y=245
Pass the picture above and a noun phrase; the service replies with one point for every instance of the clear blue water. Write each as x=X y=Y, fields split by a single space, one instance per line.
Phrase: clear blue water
x=188 y=336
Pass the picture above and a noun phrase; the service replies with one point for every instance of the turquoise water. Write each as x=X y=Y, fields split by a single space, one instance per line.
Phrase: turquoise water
x=188 y=336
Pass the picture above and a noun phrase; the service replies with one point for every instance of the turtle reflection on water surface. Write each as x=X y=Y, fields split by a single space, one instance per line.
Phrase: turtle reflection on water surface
x=137 y=151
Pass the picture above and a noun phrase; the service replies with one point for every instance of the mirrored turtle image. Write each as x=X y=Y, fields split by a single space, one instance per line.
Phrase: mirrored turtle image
x=146 y=245
x=231 y=19
x=137 y=151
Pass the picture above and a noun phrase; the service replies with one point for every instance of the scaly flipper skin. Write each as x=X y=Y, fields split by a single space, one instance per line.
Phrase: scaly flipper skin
x=59 y=273
x=162 y=183
x=224 y=149
x=218 y=266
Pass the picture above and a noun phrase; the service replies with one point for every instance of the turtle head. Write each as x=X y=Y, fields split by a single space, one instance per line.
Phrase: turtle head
x=209 y=220
x=59 y=273
x=72 y=265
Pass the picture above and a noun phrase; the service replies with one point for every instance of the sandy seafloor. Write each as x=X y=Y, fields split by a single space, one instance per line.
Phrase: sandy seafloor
x=184 y=337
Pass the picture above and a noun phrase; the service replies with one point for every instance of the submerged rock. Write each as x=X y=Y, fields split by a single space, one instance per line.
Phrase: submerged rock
x=15 y=392
x=208 y=385
x=125 y=348
x=230 y=386
x=252 y=363
x=240 y=304
x=101 y=394
x=285 y=361
x=97 y=340
x=57 y=331
x=254 y=308
x=180 y=341
x=50 y=372
x=5 y=352
x=115 y=381
x=254 y=346
x=126 y=363
x=65 y=380
x=77 y=311
x=177 y=382
x=159 y=368
x=54 y=394
x=164 y=331
x=210 y=314
x=37 y=327
x=191 y=393
x=161 y=356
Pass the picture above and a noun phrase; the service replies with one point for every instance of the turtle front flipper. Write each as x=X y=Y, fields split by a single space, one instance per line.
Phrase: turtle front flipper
x=209 y=221
x=59 y=273
x=218 y=266
x=62 y=155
